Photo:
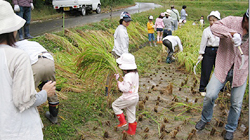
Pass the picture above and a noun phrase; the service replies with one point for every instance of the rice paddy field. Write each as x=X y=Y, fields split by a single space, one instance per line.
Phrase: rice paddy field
x=169 y=104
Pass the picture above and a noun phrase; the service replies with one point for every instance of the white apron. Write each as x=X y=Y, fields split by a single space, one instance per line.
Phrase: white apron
x=13 y=124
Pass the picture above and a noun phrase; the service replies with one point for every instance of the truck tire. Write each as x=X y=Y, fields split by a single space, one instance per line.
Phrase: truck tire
x=98 y=9
x=83 y=11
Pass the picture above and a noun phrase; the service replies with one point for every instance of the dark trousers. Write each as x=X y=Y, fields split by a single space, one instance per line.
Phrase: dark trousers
x=207 y=64
x=166 y=32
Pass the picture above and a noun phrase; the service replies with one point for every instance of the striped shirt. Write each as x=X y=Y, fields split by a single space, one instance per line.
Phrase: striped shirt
x=227 y=54
x=23 y=3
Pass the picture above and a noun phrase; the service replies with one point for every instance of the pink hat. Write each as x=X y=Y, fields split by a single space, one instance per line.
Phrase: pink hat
x=162 y=14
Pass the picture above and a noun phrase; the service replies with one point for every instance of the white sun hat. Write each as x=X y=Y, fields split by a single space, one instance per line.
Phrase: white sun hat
x=215 y=14
x=126 y=62
x=9 y=21
x=151 y=17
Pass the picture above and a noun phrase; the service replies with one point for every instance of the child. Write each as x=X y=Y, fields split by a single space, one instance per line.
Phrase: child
x=129 y=86
x=159 y=25
x=150 y=26
x=202 y=21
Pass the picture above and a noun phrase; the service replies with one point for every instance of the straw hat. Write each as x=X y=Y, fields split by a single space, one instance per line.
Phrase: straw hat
x=9 y=21
x=167 y=13
x=126 y=62
x=215 y=14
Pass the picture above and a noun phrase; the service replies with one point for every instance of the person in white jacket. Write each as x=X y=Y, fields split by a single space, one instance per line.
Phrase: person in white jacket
x=43 y=68
x=19 y=117
x=121 y=40
x=208 y=50
x=170 y=42
x=130 y=97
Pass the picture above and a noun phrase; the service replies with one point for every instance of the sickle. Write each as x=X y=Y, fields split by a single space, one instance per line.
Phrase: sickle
x=196 y=65
x=242 y=57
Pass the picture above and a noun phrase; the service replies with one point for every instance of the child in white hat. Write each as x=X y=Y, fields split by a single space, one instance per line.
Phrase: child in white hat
x=129 y=86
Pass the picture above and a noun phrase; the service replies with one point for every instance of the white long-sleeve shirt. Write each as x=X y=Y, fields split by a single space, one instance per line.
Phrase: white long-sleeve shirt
x=18 y=97
x=208 y=39
x=129 y=86
x=33 y=49
x=121 y=40
x=175 y=40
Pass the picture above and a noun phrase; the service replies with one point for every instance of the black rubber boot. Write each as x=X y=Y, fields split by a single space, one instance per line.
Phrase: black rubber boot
x=53 y=111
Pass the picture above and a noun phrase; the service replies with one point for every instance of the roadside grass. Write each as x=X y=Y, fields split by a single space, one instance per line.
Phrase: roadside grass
x=82 y=98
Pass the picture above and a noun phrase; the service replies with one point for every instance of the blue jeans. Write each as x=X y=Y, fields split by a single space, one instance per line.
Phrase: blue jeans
x=25 y=13
x=151 y=37
x=213 y=89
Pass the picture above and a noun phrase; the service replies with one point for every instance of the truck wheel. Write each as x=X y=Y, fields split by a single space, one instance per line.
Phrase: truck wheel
x=98 y=9
x=83 y=11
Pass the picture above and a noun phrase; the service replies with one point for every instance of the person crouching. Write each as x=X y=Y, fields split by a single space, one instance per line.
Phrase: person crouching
x=129 y=99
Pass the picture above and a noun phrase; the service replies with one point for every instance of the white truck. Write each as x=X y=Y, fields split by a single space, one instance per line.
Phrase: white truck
x=82 y=6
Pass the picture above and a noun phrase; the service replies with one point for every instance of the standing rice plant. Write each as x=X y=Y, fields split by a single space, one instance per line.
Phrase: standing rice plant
x=190 y=36
x=96 y=61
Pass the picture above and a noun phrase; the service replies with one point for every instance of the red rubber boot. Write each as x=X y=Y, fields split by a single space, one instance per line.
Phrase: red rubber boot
x=131 y=128
x=122 y=120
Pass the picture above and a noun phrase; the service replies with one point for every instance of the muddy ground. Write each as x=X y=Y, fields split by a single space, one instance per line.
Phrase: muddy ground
x=169 y=108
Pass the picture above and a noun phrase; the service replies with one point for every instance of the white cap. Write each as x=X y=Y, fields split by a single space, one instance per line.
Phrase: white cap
x=126 y=62
x=150 y=17
x=215 y=14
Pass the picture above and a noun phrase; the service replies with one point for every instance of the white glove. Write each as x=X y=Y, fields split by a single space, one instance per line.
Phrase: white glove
x=16 y=8
x=153 y=26
x=117 y=76
x=236 y=39
x=200 y=57
x=186 y=14
x=32 y=6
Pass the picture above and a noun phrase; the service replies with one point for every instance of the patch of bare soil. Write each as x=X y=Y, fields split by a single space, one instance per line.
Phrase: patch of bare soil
x=169 y=107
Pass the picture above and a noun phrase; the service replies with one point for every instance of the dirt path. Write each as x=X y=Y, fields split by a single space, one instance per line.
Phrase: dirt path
x=169 y=108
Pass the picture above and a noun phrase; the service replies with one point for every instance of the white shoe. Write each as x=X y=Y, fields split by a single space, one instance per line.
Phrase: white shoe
x=203 y=93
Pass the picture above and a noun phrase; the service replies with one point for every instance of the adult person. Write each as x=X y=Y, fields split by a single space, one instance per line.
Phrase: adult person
x=229 y=66
x=43 y=68
x=159 y=25
x=184 y=14
x=170 y=42
x=23 y=9
x=121 y=40
x=19 y=117
x=208 y=50
x=168 y=21
x=176 y=17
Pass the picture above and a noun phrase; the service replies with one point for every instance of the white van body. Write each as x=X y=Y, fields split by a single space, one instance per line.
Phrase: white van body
x=80 y=5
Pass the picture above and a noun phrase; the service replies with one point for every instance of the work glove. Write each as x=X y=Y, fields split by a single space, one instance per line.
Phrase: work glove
x=16 y=8
x=117 y=76
x=32 y=6
x=236 y=39
x=186 y=14
x=200 y=57
x=153 y=26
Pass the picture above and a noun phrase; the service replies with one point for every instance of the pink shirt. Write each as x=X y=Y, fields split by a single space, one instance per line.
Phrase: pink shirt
x=129 y=86
x=227 y=54
x=159 y=23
